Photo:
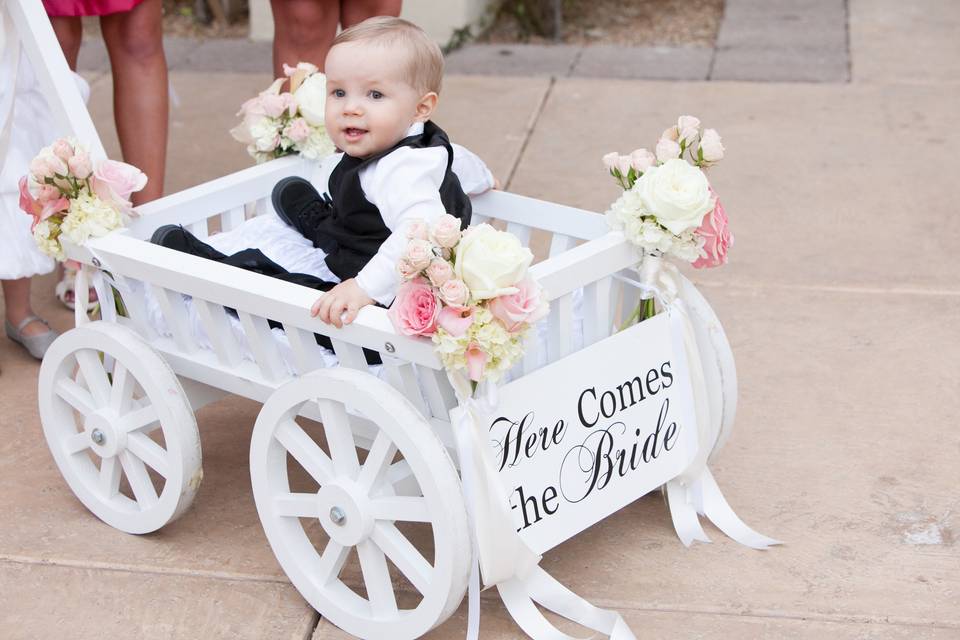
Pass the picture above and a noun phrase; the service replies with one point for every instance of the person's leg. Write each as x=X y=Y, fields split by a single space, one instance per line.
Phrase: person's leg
x=302 y=31
x=16 y=300
x=134 y=41
x=69 y=32
x=354 y=11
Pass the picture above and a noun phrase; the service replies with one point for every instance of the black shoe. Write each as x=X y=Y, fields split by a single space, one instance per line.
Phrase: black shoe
x=299 y=205
x=162 y=234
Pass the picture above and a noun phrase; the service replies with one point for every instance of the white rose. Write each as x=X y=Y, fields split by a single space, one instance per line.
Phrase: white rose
x=311 y=97
x=711 y=150
x=677 y=193
x=491 y=262
x=667 y=149
x=688 y=128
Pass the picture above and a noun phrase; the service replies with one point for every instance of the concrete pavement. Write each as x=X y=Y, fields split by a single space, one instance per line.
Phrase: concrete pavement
x=841 y=303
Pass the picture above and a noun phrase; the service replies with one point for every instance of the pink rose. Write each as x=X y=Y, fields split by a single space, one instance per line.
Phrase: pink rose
x=39 y=210
x=415 y=310
x=454 y=292
x=667 y=149
x=47 y=192
x=63 y=149
x=419 y=253
x=476 y=361
x=418 y=230
x=717 y=238
x=80 y=165
x=526 y=306
x=439 y=272
x=455 y=320
x=273 y=105
x=114 y=181
x=623 y=165
x=54 y=166
x=298 y=130
x=406 y=270
x=39 y=169
x=641 y=160
x=446 y=231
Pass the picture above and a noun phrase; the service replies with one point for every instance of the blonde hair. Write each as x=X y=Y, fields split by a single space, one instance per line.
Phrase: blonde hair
x=425 y=64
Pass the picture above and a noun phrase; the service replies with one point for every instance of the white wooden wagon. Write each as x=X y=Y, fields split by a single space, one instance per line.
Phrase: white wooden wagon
x=375 y=462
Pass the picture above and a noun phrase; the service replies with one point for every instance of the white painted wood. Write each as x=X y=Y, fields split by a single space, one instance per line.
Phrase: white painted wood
x=439 y=394
x=260 y=341
x=402 y=377
x=350 y=355
x=596 y=311
x=199 y=228
x=134 y=302
x=372 y=497
x=532 y=355
x=307 y=353
x=537 y=214
x=175 y=313
x=560 y=331
x=71 y=410
x=232 y=218
x=215 y=323
x=584 y=264
x=560 y=243
x=285 y=302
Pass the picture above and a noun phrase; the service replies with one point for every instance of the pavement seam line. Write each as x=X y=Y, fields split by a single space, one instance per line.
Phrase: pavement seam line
x=949 y=293
x=528 y=132
x=127 y=568
x=576 y=61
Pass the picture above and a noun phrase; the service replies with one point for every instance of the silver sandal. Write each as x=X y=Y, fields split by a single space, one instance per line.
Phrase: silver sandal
x=37 y=345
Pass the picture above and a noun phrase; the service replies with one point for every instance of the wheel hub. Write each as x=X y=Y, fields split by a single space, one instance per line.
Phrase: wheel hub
x=105 y=440
x=345 y=512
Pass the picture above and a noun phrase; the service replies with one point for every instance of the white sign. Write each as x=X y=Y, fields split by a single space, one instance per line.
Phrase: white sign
x=587 y=435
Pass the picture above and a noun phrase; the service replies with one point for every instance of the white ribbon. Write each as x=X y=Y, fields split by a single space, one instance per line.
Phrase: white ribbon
x=86 y=275
x=695 y=492
x=499 y=554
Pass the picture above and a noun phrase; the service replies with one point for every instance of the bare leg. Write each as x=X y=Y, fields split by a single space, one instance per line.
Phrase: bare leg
x=16 y=299
x=69 y=32
x=354 y=11
x=303 y=31
x=134 y=41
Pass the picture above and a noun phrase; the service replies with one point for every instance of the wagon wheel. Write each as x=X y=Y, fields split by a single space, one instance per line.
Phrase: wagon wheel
x=364 y=508
x=119 y=427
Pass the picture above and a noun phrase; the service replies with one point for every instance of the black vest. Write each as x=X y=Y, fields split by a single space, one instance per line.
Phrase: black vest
x=352 y=230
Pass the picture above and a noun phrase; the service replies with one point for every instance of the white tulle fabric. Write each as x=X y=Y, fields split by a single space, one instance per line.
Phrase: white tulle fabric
x=30 y=130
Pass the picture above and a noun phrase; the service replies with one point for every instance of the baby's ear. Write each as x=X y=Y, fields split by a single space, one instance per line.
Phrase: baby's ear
x=426 y=106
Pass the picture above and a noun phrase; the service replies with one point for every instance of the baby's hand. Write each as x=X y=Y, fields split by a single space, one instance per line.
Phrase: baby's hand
x=340 y=305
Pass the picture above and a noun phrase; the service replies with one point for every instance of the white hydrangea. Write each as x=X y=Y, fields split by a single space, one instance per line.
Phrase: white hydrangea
x=503 y=349
x=47 y=236
x=89 y=217
x=317 y=146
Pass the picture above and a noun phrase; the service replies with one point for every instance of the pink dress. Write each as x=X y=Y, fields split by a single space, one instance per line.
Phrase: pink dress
x=87 y=7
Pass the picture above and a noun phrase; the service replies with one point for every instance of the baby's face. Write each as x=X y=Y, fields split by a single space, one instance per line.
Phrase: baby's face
x=370 y=104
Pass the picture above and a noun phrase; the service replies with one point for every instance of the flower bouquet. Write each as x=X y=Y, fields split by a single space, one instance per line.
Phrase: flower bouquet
x=279 y=123
x=68 y=196
x=668 y=207
x=470 y=292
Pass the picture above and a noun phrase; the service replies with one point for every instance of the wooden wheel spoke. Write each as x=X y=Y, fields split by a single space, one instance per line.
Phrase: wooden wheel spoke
x=149 y=452
x=297 y=505
x=407 y=508
x=76 y=442
x=302 y=447
x=94 y=375
x=377 y=462
x=75 y=395
x=138 y=419
x=331 y=562
x=376 y=577
x=401 y=477
x=121 y=391
x=343 y=449
x=109 y=480
x=404 y=555
x=139 y=480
